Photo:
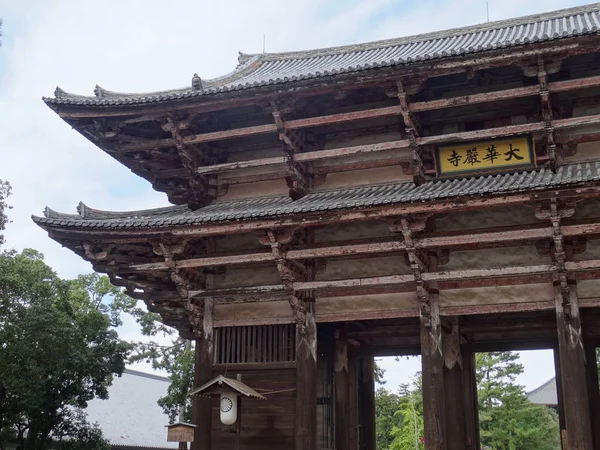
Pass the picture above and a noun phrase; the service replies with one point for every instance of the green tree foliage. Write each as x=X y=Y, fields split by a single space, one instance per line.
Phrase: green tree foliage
x=508 y=421
x=57 y=351
x=408 y=432
x=4 y=193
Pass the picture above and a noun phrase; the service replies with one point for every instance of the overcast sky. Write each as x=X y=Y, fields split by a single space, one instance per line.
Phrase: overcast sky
x=147 y=45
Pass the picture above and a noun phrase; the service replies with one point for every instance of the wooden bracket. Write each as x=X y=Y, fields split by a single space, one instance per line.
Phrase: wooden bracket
x=542 y=76
x=411 y=125
x=419 y=263
x=299 y=179
x=97 y=252
x=202 y=189
x=290 y=271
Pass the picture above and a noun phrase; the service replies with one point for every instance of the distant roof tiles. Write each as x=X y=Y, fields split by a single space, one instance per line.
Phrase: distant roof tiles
x=321 y=201
x=545 y=394
x=276 y=68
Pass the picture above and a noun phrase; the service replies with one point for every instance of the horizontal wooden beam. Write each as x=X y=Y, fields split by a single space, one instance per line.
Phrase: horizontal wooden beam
x=374 y=247
x=560 y=86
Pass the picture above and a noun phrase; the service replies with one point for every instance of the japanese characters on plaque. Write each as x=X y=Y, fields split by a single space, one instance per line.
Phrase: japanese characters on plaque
x=486 y=156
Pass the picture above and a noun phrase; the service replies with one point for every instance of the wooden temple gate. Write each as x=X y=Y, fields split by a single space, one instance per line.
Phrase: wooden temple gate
x=435 y=195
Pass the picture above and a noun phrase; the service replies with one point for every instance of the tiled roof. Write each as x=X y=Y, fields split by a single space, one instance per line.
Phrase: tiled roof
x=277 y=68
x=545 y=394
x=356 y=197
x=130 y=417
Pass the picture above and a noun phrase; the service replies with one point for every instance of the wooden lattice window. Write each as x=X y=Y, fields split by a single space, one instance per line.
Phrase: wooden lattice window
x=259 y=344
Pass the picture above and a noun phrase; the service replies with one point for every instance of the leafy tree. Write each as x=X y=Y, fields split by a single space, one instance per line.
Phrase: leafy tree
x=508 y=421
x=57 y=351
x=408 y=433
x=386 y=405
x=4 y=193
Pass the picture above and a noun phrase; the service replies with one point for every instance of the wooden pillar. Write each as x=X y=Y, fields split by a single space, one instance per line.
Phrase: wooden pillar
x=353 y=402
x=369 y=432
x=342 y=392
x=201 y=407
x=593 y=390
x=432 y=362
x=306 y=380
x=573 y=369
x=559 y=396
x=454 y=389
x=472 y=438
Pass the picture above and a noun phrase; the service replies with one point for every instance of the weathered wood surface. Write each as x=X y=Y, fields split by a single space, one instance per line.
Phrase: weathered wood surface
x=201 y=412
x=352 y=402
x=454 y=388
x=573 y=372
x=342 y=392
x=266 y=424
x=593 y=387
x=470 y=403
x=306 y=381
x=369 y=432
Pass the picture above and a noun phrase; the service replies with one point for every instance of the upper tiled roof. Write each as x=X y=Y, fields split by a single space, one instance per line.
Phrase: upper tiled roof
x=357 y=197
x=544 y=394
x=276 y=68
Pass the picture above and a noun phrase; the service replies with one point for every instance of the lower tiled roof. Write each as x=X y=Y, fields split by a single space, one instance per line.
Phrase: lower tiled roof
x=356 y=197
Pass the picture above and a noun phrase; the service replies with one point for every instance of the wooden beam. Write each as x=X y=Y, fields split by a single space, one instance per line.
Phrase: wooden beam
x=353 y=408
x=573 y=373
x=372 y=247
x=306 y=382
x=342 y=392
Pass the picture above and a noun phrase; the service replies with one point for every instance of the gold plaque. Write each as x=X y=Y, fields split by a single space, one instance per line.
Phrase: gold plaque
x=498 y=155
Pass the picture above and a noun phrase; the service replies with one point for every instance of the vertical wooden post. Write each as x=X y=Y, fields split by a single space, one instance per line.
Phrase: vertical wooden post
x=472 y=438
x=593 y=390
x=353 y=402
x=306 y=380
x=560 y=397
x=342 y=392
x=454 y=389
x=572 y=369
x=432 y=362
x=368 y=404
x=201 y=407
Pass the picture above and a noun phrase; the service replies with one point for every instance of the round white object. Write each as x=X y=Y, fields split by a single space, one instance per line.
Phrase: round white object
x=228 y=408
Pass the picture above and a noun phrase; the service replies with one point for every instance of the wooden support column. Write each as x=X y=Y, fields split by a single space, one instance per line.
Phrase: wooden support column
x=578 y=433
x=369 y=431
x=432 y=358
x=593 y=390
x=573 y=370
x=471 y=405
x=342 y=392
x=201 y=407
x=353 y=402
x=306 y=380
x=559 y=396
x=454 y=388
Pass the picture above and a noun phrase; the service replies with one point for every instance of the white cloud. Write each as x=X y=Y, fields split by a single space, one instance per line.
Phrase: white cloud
x=145 y=45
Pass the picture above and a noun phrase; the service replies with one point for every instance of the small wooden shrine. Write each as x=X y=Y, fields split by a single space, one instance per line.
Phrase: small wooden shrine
x=435 y=195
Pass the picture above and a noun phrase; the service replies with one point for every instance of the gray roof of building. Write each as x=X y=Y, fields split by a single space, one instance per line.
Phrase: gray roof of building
x=130 y=417
x=277 y=68
x=322 y=201
x=545 y=394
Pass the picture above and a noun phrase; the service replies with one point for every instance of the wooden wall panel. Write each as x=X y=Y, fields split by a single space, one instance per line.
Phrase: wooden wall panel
x=266 y=424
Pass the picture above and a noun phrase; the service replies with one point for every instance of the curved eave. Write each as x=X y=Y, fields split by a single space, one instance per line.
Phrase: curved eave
x=272 y=70
x=327 y=202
